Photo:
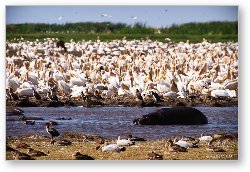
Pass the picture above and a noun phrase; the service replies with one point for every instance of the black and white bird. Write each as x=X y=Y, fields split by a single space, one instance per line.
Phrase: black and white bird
x=175 y=147
x=13 y=95
x=52 y=94
x=156 y=96
x=97 y=95
x=138 y=94
x=36 y=94
x=86 y=96
x=53 y=97
x=52 y=131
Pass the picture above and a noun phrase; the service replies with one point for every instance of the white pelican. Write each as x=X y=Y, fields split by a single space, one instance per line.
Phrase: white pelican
x=12 y=83
x=58 y=76
x=223 y=93
x=64 y=87
x=123 y=142
x=205 y=138
x=112 y=148
x=171 y=94
x=163 y=88
x=184 y=144
x=77 y=81
x=25 y=92
x=76 y=91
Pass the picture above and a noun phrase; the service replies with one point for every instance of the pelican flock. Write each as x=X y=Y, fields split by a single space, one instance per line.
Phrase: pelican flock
x=120 y=68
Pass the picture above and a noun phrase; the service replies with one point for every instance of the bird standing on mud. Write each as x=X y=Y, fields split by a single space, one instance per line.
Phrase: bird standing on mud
x=36 y=95
x=13 y=95
x=156 y=96
x=138 y=95
x=52 y=131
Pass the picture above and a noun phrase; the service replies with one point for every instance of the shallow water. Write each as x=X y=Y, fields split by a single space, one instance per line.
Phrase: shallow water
x=113 y=121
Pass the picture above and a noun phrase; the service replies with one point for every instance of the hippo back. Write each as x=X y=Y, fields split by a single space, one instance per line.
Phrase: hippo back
x=173 y=116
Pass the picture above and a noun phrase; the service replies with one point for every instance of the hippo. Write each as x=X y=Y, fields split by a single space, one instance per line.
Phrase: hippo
x=173 y=116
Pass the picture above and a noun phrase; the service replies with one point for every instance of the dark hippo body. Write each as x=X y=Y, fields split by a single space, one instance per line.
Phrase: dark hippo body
x=173 y=116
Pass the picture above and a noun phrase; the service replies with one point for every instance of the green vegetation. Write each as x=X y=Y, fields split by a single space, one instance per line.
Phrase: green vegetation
x=195 y=32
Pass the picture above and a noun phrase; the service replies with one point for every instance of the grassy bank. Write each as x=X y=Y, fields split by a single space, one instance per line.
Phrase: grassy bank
x=111 y=36
x=194 y=32
x=138 y=151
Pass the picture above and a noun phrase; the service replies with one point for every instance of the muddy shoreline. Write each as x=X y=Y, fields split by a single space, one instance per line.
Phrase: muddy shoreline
x=125 y=101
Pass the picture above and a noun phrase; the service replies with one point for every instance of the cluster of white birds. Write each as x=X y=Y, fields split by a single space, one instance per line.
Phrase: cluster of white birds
x=184 y=143
x=180 y=145
x=122 y=67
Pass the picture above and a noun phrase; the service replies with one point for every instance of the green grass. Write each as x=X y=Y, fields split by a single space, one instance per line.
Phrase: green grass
x=111 y=36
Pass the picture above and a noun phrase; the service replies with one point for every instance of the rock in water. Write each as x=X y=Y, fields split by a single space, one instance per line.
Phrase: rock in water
x=173 y=116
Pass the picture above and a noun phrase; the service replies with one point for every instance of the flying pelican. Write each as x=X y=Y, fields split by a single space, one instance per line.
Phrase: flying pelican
x=59 y=18
x=134 y=17
x=104 y=15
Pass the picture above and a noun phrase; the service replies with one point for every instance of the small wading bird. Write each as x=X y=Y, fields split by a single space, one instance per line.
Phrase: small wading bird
x=53 y=132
